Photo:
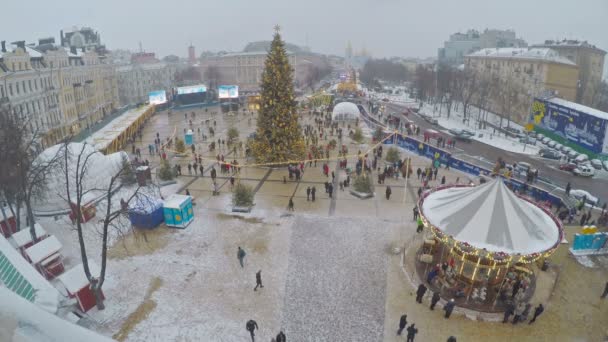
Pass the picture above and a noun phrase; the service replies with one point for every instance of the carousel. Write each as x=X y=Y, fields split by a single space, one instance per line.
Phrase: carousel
x=483 y=243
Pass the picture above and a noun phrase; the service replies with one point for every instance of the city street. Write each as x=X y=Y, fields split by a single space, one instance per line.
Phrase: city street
x=547 y=168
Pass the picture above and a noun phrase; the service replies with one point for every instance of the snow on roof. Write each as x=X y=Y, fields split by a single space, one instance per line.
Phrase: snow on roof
x=579 y=107
x=145 y=204
x=174 y=201
x=75 y=279
x=346 y=108
x=45 y=295
x=43 y=249
x=104 y=137
x=33 y=52
x=144 y=66
x=491 y=216
x=22 y=321
x=23 y=237
x=544 y=54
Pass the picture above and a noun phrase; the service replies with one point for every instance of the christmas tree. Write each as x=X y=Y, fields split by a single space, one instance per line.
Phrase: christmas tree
x=278 y=137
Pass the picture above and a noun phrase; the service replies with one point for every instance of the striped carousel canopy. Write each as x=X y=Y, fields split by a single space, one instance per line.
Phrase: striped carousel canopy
x=491 y=216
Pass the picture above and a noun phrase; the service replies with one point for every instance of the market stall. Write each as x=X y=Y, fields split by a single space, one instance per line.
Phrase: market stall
x=22 y=239
x=8 y=224
x=77 y=285
x=45 y=256
x=482 y=242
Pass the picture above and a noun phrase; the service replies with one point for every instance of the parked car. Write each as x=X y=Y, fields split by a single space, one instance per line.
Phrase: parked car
x=455 y=131
x=584 y=171
x=567 y=149
x=573 y=154
x=567 y=167
x=527 y=140
x=550 y=154
x=385 y=100
x=552 y=144
x=581 y=158
x=596 y=163
x=605 y=163
x=559 y=147
x=433 y=121
x=545 y=140
x=579 y=194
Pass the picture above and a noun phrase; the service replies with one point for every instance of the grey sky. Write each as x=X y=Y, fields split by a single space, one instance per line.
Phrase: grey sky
x=384 y=27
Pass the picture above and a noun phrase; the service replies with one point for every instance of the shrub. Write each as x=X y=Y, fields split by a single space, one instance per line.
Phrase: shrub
x=233 y=135
x=363 y=183
x=127 y=176
x=242 y=196
x=332 y=144
x=166 y=172
x=378 y=134
x=392 y=155
x=358 y=135
x=180 y=147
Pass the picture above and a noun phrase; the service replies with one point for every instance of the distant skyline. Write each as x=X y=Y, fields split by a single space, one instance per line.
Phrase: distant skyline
x=385 y=28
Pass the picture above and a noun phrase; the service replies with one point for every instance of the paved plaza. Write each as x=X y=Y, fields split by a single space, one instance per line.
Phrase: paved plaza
x=329 y=268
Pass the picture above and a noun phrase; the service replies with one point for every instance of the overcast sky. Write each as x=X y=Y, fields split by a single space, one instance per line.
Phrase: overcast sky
x=385 y=27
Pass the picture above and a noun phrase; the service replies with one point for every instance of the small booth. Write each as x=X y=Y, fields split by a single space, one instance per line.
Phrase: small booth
x=87 y=208
x=178 y=211
x=143 y=175
x=77 y=285
x=23 y=238
x=146 y=213
x=189 y=138
x=45 y=257
x=8 y=224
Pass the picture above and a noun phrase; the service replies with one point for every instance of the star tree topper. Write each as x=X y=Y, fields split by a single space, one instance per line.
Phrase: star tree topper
x=277 y=28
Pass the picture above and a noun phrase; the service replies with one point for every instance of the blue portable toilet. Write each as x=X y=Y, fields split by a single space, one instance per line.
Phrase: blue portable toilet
x=146 y=212
x=178 y=211
x=189 y=138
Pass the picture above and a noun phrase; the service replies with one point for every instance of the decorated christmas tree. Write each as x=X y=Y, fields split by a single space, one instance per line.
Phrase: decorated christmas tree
x=278 y=137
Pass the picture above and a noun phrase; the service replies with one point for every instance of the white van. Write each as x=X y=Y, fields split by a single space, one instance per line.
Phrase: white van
x=584 y=171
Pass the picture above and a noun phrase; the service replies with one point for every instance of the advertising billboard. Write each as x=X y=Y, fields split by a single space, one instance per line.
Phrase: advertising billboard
x=228 y=91
x=572 y=124
x=157 y=97
x=199 y=88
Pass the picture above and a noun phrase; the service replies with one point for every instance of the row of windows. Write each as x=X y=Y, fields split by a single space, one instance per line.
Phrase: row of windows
x=24 y=87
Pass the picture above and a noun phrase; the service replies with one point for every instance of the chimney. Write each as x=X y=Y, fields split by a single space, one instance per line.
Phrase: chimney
x=61 y=37
x=3 y=45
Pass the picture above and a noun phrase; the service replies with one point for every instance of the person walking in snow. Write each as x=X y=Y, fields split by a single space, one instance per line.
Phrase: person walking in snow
x=419 y=172
x=290 y=205
x=411 y=333
x=308 y=194
x=605 y=291
x=258 y=280
x=402 y=324
x=281 y=337
x=415 y=210
x=388 y=192
x=313 y=192
x=509 y=310
x=448 y=308
x=434 y=300
x=251 y=326
x=420 y=293
x=240 y=254
x=537 y=312
x=420 y=225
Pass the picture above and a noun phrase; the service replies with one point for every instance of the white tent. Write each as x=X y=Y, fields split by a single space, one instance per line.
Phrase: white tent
x=345 y=111
x=491 y=216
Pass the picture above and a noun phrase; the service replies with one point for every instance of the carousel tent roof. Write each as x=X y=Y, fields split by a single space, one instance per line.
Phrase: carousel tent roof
x=345 y=111
x=491 y=216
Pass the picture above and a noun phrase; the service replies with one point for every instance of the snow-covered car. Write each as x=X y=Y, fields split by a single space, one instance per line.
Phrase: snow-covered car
x=596 y=163
x=605 y=163
x=545 y=140
x=579 y=194
x=552 y=144
x=433 y=121
x=567 y=149
x=584 y=171
x=455 y=131
x=573 y=154
x=550 y=154
x=539 y=136
x=581 y=158
x=559 y=147
x=528 y=140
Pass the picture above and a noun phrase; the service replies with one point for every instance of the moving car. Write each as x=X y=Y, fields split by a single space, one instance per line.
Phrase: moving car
x=567 y=167
x=584 y=171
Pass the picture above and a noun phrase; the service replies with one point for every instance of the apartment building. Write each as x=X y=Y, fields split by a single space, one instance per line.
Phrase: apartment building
x=136 y=80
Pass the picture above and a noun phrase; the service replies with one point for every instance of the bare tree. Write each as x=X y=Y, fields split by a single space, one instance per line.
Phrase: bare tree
x=76 y=165
x=466 y=89
x=23 y=176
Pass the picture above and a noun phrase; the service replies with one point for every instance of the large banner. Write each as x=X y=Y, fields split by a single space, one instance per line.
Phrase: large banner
x=157 y=97
x=228 y=91
x=199 y=88
x=585 y=130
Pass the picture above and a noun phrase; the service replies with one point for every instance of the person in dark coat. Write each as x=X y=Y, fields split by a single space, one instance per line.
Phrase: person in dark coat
x=290 y=205
x=415 y=210
x=442 y=180
x=330 y=189
x=419 y=191
x=419 y=172
x=281 y=337
x=509 y=310
x=251 y=326
x=308 y=194
x=313 y=191
x=420 y=293
x=240 y=254
x=258 y=280
x=449 y=307
x=568 y=187
x=451 y=339
x=411 y=333
x=402 y=324
x=213 y=173
x=605 y=291
x=434 y=300
x=388 y=192
x=539 y=310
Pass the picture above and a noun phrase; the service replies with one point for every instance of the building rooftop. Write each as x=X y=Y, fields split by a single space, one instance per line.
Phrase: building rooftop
x=568 y=43
x=544 y=54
